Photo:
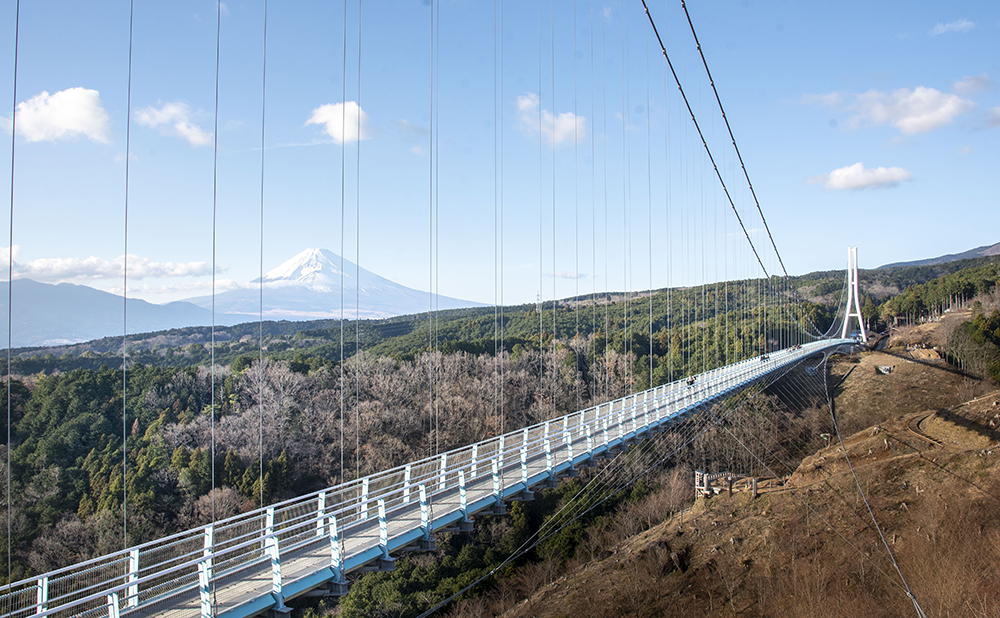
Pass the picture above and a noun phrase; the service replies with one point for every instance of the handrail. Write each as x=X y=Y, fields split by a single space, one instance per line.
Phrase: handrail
x=184 y=557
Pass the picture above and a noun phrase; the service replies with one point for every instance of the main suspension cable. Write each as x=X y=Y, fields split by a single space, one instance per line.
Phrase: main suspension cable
x=704 y=143
x=731 y=136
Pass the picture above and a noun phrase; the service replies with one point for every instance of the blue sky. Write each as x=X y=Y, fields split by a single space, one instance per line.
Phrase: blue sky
x=863 y=124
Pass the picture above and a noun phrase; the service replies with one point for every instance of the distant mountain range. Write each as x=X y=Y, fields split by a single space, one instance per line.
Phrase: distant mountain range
x=978 y=252
x=45 y=314
x=306 y=287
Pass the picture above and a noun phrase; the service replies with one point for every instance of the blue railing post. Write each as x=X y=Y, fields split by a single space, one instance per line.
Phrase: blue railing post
x=475 y=461
x=203 y=588
x=407 y=477
x=209 y=547
x=496 y=480
x=42 y=594
x=383 y=530
x=113 y=610
x=463 y=504
x=273 y=549
x=442 y=481
x=425 y=523
x=568 y=436
x=320 y=512
x=132 y=594
x=548 y=449
x=336 y=562
x=364 y=498
x=524 y=459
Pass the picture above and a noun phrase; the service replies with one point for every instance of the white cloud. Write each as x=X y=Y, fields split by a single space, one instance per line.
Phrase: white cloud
x=832 y=99
x=410 y=130
x=176 y=116
x=959 y=25
x=972 y=84
x=911 y=111
x=344 y=122
x=568 y=274
x=90 y=268
x=67 y=113
x=855 y=177
x=993 y=117
x=173 y=291
x=417 y=150
x=556 y=129
x=965 y=150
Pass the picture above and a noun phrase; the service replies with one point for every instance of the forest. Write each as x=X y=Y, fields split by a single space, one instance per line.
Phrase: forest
x=281 y=414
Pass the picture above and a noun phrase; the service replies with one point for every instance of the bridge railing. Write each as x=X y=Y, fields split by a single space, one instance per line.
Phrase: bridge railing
x=149 y=573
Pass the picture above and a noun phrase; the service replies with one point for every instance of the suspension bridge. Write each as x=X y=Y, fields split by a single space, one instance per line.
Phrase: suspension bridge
x=254 y=562
x=313 y=544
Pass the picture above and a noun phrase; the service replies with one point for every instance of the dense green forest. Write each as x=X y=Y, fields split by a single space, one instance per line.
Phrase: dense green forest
x=77 y=418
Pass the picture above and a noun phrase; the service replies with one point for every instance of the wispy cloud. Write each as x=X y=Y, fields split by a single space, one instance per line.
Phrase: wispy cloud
x=959 y=25
x=192 y=288
x=52 y=270
x=65 y=114
x=856 y=177
x=567 y=274
x=344 y=122
x=911 y=111
x=914 y=111
x=556 y=129
x=993 y=117
x=972 y=84
x=176 y=118
x=832 y=99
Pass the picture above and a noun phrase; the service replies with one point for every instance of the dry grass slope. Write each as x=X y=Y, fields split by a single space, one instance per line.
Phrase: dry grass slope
x=931 y=469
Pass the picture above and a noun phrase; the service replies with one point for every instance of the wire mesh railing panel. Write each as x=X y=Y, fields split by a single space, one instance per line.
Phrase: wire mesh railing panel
x=153 y=574
x=20 y=601
x=68 y=587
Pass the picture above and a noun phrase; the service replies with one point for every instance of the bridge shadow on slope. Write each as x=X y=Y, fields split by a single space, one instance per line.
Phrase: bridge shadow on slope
x=969 y=425
x=942 y=366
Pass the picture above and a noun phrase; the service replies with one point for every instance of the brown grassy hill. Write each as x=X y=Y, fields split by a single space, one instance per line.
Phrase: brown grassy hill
x=931 y=470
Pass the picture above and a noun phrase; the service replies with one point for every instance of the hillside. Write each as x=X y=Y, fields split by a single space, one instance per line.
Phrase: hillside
x=931 y=470
x=978 y=252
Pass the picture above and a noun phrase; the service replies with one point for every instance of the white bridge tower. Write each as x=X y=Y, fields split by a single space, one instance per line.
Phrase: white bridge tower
x=853 y=295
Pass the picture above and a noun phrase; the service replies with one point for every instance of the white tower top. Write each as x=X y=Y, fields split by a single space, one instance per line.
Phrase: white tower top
x=853 y=295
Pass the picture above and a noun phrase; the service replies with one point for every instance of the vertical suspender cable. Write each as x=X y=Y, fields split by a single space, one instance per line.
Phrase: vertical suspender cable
x=435 y=298
x=668 y=243
x=430 y=247
x=649 y=213
x=10 y=274
x=128 y=143
x=343 y=208
x=539 y=305
x=593 y=215
x=503 y=346
x=260 y=286
x=357 y=278
x=604 y=182
x=215 y=199
x=496 y=242
x=576 y=219
x=626 y=185
x=555 y=332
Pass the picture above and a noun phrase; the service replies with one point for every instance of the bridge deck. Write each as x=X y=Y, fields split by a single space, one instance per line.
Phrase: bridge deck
x=247 y=564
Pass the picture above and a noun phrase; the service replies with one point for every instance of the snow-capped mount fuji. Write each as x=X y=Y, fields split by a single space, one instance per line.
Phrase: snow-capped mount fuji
x=307 y=287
